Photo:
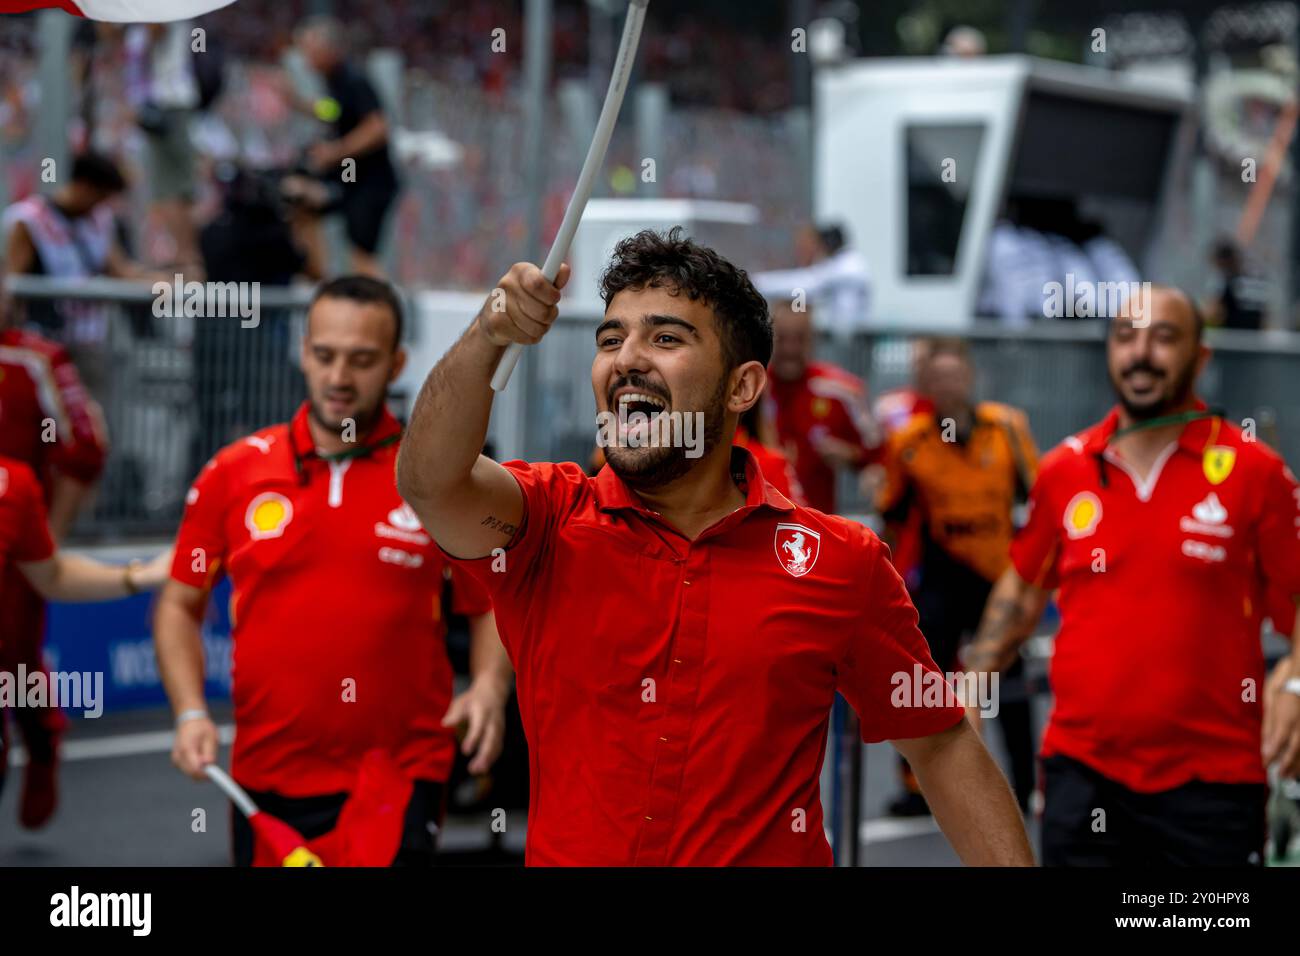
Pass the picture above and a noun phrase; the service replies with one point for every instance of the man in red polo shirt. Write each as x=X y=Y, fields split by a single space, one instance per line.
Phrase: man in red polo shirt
x=338 y=627
x=679 y=627
x=49 y=421
x=822 y=413
x=1169 y=532
x=28 y=550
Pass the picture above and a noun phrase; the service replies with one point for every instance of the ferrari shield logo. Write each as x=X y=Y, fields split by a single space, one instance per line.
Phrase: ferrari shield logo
x=797 y=548
x=1217 y=463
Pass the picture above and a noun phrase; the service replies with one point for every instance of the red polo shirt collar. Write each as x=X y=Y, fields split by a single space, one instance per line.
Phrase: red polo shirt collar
x=1195 y=435
x=612 y=494
x=304 y=444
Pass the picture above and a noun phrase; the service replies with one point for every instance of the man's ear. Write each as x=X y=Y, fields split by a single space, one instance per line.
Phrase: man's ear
x=399 y=364
x=747 y=384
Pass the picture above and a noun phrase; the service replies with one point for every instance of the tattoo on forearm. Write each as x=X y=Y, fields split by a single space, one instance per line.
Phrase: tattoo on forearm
x=496 y=524
x=1002 y=618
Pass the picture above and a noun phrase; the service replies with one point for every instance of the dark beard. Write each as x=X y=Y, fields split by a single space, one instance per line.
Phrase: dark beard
x=365 y=419
x=664 y=465
x=1178 y=397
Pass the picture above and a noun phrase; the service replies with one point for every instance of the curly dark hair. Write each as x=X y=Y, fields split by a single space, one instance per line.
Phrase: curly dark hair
x=671 y=261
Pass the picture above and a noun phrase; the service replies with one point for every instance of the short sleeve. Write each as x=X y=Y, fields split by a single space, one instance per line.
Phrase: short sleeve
x=1279 y=530
x=886 y=657
x=34 y=542
x=546 y=489
x=851 y=421
x=1035 y=547
x=1028 y=448
x=201 y=543
x=468 y=596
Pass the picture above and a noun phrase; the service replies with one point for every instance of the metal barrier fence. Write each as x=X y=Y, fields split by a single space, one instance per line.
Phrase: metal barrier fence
x=175 y=390
x=1056 y=373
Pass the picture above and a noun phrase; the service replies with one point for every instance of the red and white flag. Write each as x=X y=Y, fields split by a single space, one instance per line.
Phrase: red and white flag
x=121 y=11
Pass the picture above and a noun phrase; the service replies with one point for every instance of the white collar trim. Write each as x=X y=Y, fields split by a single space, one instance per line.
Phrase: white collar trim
x=1144 y=488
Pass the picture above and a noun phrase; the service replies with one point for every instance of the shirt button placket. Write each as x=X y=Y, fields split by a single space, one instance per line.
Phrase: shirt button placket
x=687 y=652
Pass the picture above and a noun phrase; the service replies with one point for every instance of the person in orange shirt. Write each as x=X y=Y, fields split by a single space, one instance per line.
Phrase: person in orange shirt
x=961 y=469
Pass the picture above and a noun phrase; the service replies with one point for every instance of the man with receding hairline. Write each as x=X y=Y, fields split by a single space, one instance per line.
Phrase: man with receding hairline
x=1170 y=533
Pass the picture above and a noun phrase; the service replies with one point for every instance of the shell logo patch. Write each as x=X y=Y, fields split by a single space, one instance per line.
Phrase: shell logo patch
x=1217 y=463
x=268 y=515
x=1082 y=514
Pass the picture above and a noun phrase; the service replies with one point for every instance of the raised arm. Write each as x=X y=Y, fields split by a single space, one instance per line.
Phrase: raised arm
x=468 y=502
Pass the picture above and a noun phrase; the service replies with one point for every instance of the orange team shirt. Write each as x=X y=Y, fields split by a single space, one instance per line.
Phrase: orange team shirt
x=336 y=609
x=964 y=493
x=676 y=694
x=826 y=401
x=1163 y=586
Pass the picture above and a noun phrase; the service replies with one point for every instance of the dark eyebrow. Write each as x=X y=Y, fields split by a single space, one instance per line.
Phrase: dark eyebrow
x=364 y=350
x=607 y=325
x=654 y=320
x=658 y=320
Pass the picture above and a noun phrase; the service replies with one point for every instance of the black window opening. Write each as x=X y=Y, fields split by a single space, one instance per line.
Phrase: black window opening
x=942 y=163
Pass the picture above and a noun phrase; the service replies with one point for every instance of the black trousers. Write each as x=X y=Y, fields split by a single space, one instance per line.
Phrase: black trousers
x=316 y=816
x=1197 y=824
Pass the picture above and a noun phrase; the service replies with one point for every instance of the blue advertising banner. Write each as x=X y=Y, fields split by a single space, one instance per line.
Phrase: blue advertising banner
x=115 y=639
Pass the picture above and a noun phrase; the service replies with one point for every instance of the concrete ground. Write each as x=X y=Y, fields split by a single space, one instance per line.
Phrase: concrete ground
x=123 y=804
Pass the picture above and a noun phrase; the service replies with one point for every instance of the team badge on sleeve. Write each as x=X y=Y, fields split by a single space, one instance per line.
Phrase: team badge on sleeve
x=268 y=515
x=1217 y=463
x=1082 y=514
x=797 y=548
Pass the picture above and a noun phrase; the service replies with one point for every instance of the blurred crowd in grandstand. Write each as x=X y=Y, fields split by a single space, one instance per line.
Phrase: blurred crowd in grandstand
x=456 y=212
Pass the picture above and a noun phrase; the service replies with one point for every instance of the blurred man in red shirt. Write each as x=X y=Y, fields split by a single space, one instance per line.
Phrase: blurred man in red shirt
x=49 y=422
x=822 y=414
x=1170 y=534
x=28 y=551
x=680 y=628
x=337 y=599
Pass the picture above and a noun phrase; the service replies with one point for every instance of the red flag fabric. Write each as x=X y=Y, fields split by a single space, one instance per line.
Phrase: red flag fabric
x=368 y=833
x=279 y=844
x=121 y=11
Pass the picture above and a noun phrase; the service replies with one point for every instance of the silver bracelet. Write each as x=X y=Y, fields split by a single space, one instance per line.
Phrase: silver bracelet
x=186 y=716
x=1292 y=686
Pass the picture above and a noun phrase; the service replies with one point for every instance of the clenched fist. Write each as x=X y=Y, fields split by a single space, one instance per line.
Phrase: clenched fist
x=523 y=305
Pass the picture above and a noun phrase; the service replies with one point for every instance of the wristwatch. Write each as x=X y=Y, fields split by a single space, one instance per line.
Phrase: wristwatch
x=128 y=576
x=1292 y=686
